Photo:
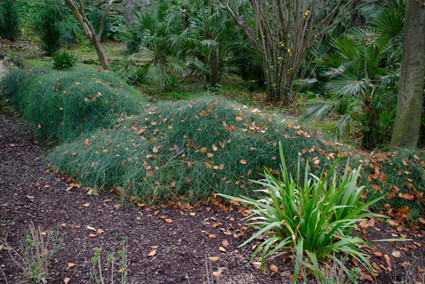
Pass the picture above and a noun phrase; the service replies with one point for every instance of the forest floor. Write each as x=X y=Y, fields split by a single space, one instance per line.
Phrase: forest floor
x=164 y=245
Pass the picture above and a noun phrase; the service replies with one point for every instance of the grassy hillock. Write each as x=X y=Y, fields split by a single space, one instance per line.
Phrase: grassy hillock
x=190 y=149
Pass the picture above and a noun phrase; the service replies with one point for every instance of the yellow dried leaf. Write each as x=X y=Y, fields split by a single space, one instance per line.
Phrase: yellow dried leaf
x=222 y=249
x=225 y=243
x=92 y=236
x=168 y=220
x=214 y=259
x=243 y=162
x=70 y=265
x=86 y=205
x=152 y=253
x=100 y=231
x=204 y=150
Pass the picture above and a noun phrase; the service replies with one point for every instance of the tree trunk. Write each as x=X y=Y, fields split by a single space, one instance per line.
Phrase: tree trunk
x=214 y=67
x=410 y=93
x=81 y=17
x=128 y=13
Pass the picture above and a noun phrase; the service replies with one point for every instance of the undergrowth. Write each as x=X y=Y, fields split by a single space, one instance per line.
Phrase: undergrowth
x=62 y=105
x=189 y=149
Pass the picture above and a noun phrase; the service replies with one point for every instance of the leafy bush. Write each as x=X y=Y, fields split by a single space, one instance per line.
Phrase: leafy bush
x=133 y=45
x=113 y=23
x=9 y=20
x=62 y=105
x=49 y=30
x=63 y=61
x=313 y=216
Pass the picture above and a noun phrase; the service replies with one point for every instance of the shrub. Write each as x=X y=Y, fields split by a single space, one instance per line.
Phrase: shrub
x=189 y=148
x=9 y=20
x=62 y=105
x=63 y=61
x=49 y=30
x=312 y=216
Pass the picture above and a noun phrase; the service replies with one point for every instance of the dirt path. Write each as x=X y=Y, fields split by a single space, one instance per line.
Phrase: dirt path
x=179 y=241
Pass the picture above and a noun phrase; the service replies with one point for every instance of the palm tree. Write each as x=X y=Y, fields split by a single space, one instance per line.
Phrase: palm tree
x=363 y=73
x=155 y=28
x=210 y=40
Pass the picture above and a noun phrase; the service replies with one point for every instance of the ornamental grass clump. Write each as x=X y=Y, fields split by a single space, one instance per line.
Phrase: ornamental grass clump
x=186 y=148
x=311 y=215
x=62 y=105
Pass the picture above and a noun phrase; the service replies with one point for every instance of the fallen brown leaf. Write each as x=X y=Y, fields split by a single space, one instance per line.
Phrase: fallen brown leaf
x=396 y=253
x=214 y=258
x=152 y=253
x=274 y=268
x=388 y=260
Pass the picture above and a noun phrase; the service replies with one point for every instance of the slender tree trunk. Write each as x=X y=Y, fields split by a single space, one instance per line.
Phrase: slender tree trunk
x=410 y=93
x=214 y=67
x=128 y=13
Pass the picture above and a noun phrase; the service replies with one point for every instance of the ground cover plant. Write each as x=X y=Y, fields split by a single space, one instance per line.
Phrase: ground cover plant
x=62 y=105
x=190 y=148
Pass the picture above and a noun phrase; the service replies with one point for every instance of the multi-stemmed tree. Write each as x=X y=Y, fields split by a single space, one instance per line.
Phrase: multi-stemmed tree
x=283 y=32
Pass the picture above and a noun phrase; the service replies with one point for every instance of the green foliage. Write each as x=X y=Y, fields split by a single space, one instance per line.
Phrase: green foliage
x=62 y=105
x=190 y=148
x=363 y=87
x=113 y=24
x=49 y=30
x=313 y=216
x=63 y=60
x=188 y=40
x=9 y=20
x=361 y=72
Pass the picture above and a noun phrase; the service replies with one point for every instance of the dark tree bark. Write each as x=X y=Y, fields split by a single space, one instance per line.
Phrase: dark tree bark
x=410 y=93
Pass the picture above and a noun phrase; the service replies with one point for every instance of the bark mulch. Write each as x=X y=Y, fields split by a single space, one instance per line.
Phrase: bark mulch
x=180 y=241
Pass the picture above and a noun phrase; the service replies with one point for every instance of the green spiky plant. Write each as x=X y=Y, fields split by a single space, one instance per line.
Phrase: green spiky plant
x=311 y=216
